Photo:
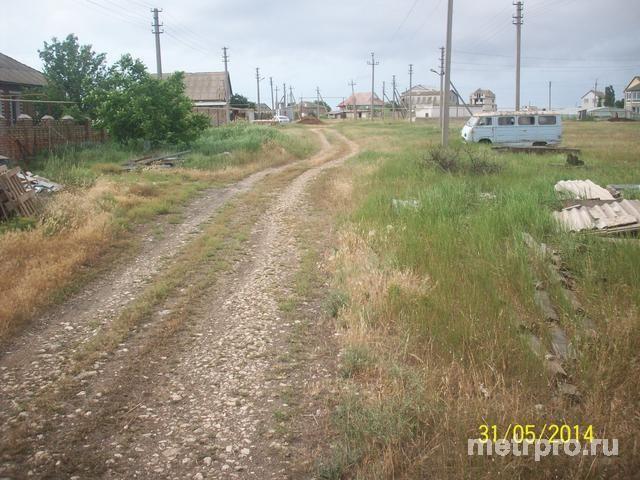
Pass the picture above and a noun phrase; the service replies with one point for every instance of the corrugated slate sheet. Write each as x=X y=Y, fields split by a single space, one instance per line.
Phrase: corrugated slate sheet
x=12 y=71
x=582 y=189
x=608 y=216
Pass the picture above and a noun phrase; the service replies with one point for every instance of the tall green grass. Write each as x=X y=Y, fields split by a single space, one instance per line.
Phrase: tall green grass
x=465 y=236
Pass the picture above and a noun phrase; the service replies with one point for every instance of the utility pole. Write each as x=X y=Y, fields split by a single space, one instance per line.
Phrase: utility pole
x=271 y=84
x=318 y=102
x=156 y=31
x=383 y=93
x=258 y=87
x=447 y=77
x=277 y=101
x=410 y=92
x=517 y=20
x=373 y=64
x=441 y=85
x=291 y=97
x=355 y=103
x=549 y=95
x=284 y=98
x=393 y=104
x=225 y=58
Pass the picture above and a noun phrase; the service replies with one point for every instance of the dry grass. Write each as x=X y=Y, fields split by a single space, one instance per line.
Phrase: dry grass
x=72 y=233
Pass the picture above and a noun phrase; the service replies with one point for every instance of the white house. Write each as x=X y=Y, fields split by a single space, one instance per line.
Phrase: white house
x=592 y=99
x=485 y=98
x=632 y=96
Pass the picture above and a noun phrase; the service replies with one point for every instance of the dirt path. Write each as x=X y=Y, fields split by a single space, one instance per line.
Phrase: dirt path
x=197 y=406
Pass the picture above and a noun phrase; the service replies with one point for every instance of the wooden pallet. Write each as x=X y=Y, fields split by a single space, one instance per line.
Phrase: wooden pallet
x=15 y=196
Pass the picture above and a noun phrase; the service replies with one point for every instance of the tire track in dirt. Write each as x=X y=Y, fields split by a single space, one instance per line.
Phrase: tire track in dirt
x=36 y=359
x=210 y=416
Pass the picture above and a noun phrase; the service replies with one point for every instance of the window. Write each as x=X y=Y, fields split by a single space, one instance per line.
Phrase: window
x=484 y=121
x=506 y=121
x=526 y=120
x=547 y=120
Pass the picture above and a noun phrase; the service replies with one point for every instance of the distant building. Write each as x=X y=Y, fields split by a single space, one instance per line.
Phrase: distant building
x=420 y=96
x=484 y=98
x=592 y=99
x=360 y=105
x=265 y=112
x=210 y=93
x=308 y=109
x=15 y=78
x=632 y=96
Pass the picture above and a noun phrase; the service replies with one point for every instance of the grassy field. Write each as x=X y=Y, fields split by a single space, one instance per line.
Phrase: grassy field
x=434 y=297
x=102 y=204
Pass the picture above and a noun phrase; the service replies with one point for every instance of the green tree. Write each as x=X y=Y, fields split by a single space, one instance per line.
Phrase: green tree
x=609 y=96
x=240 y=101
x=134 y=106
x=72 y=71
x=323 y=104
x=619 y=103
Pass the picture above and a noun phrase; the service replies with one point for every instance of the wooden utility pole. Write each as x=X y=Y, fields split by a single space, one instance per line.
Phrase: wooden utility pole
x=271 y=85
x=447 y=77
x=410 y=92
x=258 y=86
x=393 y=103
x=225 y=58
x=373 y=64
x=441 y=85
x=156 y=31
x=383 y=94
x=318 y=102
x=355 y=103
x=517 y=20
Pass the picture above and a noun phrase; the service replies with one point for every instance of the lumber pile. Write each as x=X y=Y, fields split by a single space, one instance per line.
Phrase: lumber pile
x=16 y=195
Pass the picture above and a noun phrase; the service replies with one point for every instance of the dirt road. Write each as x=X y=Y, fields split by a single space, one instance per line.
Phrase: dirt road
x=194 y=390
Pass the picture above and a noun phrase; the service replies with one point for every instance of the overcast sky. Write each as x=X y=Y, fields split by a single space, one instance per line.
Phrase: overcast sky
x=327 y=43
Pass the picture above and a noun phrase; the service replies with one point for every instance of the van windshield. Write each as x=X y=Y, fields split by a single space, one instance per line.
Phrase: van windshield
x=472 y=121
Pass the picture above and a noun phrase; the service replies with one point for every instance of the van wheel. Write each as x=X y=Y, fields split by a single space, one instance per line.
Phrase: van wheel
x=539 y=144
x=486 y=141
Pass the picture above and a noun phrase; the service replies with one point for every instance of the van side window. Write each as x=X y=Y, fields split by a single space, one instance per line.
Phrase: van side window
x=547 y=120
x=506 y=121
x=526 y=120
x=484 y=121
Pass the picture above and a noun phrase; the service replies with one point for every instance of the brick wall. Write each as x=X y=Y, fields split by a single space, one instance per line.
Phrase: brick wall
x=24 y=139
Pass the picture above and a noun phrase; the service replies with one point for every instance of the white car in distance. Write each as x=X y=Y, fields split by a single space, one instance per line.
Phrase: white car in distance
x=281 y=119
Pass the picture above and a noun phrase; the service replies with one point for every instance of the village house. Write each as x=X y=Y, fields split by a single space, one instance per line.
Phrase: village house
x=592 y=99
x=210 y=93
x=632 y=96
x=16 y=79
x=483 y=98
x=360 y=105
x=309 y=109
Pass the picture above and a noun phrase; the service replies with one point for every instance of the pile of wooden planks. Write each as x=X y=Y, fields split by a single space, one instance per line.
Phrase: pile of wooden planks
x=16 y=197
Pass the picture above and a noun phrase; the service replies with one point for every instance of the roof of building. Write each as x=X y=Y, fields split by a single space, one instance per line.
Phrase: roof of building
x=634 y=88
x=264 y=107
x=484 y=92
x=598 y=93
x=207 y=86
x=361 y=98
x=421 y=90
x=12 y=71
